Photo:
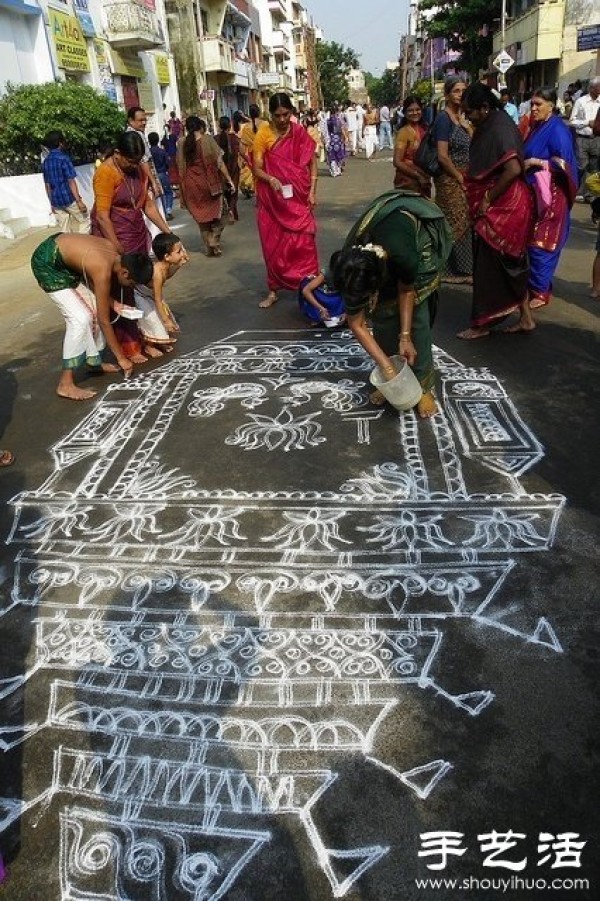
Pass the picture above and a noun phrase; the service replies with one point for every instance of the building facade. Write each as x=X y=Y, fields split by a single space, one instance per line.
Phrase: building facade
x=120 y=47
x=541 y=36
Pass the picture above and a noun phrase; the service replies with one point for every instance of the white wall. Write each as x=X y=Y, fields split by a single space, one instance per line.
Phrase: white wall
x=20 y=58
x=25 y=195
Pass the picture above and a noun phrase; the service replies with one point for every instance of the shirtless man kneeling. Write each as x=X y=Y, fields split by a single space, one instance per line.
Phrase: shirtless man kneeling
x=81 y=274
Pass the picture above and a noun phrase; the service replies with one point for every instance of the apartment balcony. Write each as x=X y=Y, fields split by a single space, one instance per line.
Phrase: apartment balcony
x=536 y=35
x=277 y=10
x=242 y=73
x=281 y=44
x=129 y=24
x=218 y=54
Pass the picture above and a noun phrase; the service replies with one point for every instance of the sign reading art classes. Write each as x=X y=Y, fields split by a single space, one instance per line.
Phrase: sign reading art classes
x=71 y=49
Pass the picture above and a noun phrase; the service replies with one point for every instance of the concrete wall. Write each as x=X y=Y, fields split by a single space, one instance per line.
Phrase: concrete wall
x=25 y=195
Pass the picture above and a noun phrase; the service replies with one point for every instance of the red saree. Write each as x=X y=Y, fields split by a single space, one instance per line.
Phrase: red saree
x=507 y=224
x=287 y=227
x=501 y=234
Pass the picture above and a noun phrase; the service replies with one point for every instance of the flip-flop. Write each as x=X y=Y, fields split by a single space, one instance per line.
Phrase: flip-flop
x=6 y=458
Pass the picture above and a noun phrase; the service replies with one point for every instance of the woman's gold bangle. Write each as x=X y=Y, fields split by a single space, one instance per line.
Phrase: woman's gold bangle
x=314 y=178
x=405 y=334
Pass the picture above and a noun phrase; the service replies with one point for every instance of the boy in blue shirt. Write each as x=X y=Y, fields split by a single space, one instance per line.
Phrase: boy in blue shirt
x=60 y=180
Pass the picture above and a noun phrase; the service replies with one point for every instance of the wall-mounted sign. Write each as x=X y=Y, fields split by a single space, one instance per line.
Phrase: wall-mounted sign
x=71 y=49
x=588 y=38
x=123 y=63
x=162 y=69
x=106 y=78
x=146 y=95
x=82 y=12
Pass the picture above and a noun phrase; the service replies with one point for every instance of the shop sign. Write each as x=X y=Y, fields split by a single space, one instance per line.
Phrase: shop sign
x=588 y=38
x=106 y=79
x=122 y=63
x=71 y=49
x=146 y=95
x=162 y=69
x=85 y=20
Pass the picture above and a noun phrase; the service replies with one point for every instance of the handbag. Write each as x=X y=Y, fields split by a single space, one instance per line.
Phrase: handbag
x=542 y=188
x=426 y=157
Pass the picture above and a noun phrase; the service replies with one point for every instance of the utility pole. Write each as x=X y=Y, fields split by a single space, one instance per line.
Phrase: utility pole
x=403 y=91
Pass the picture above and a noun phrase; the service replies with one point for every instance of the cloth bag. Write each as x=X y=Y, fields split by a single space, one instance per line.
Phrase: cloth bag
x=426 y=157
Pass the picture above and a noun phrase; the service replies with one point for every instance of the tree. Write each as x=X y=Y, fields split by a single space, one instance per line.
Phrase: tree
x=467 y=25
x=334 y=62
x=423 y=90
x=386 y=90
x=87 y=119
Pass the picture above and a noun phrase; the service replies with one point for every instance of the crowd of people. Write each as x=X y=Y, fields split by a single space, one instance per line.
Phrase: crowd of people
x=503 y=180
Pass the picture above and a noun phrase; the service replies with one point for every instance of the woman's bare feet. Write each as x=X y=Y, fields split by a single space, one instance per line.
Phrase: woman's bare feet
x=109 y=367
x=75 y=393
x=471 y=334
x=138 y=358
x=6 y=458
x=153 y=352
x=269 y=300
x=427 y=406
x=519 y=328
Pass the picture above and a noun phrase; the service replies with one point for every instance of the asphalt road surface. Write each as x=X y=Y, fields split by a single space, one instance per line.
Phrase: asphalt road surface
x=260 y=641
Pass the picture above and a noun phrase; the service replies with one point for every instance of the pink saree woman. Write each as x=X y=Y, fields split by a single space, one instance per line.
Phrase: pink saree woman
x=284 y=155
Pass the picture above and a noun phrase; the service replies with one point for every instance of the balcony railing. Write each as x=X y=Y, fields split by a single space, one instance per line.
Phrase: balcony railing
x=131 y=25
x=242 y=73
x=218 y=54
x=281 y=43
x=277 y=10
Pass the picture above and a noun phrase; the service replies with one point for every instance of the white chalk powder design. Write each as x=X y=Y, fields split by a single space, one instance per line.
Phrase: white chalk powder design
x=238 y=571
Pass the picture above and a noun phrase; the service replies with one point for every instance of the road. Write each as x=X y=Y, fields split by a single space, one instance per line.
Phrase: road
x=259 y=639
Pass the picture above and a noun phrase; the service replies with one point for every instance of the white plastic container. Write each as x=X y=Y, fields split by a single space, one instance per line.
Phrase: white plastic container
x=287 y=191
x=403 y=391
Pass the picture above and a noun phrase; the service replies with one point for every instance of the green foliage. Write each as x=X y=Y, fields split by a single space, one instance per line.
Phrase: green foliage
x=386 y=89
x=422 y=89
x=334 y=62
x=467 y=25
x=87 y=118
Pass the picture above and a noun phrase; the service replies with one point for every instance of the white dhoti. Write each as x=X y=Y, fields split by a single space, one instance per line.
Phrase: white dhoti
x=84 y=341
x=151 y=325
x=370 y=138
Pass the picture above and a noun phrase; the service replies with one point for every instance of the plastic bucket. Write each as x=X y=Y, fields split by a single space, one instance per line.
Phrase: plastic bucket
x=403 y=391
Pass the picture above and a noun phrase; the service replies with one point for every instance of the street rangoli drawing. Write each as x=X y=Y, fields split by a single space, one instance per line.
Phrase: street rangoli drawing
x=225 y=609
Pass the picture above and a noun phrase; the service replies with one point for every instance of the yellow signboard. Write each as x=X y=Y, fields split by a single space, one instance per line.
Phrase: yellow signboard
x=71 y=49
x=162 y=69
x=122 y=63
x=100 y=48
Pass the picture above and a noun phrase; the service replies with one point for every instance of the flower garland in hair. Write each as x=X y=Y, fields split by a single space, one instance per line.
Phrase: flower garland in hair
x=377 y=249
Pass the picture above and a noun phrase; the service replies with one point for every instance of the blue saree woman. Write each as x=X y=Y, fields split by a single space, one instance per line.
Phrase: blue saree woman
x=551 y=170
